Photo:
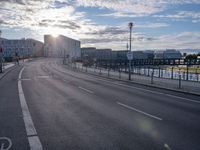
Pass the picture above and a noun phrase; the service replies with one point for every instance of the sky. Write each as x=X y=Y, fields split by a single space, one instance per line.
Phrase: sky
x=158 y=24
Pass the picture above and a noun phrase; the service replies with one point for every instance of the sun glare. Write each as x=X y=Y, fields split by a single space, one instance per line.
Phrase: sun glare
x=55 y=35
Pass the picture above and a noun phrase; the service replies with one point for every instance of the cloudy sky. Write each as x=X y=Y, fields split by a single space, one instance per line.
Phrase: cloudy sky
x=158 y=24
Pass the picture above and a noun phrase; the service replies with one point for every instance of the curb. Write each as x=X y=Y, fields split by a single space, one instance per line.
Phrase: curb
x=149 y=85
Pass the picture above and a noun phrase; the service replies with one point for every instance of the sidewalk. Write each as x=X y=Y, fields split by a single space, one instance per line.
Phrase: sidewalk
x=171 y=84
x=6 y=68
x=8 y=65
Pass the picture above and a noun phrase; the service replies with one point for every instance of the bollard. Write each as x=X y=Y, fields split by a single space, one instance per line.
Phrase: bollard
x=86 y=69
x=179 y=83
x=108 y=72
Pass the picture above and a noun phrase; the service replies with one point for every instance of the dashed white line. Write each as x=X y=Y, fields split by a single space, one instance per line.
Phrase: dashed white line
x=25 y=79
x=139 y=111
x=34 y=141
x=84 y=89
x=155 y=92
x=43 y=77
x=141 y=89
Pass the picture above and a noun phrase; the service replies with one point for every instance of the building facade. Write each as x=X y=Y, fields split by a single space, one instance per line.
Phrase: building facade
x=61 y=46
x=88 y=52
x=102 y=54
x=22 y=47
x=172 y=54
x=168 y=54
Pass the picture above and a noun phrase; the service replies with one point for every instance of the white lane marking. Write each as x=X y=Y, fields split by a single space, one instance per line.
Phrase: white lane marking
x=34 y=142
x=43 y=77
x=25 y=79
x=30 y=128
x=155 y=92
x=139 y=111
x=5 y=141
x=84 y=89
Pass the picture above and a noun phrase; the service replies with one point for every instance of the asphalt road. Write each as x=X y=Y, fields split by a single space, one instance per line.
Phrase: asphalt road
x=62 y=109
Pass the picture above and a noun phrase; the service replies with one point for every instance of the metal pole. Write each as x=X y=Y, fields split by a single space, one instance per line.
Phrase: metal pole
x=100 y=71
x=119 y=73
x=108 y=72
x=197 y=74
x=187 y=77
x=152 y=74
x=179 y=85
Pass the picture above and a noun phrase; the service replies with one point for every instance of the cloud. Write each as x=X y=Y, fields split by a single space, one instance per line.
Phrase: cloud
x=182 y=16
x=185 y=40
x=126 y=8
x=62 y=17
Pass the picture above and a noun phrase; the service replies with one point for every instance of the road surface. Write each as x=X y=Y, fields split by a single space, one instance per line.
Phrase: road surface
x=44 y=105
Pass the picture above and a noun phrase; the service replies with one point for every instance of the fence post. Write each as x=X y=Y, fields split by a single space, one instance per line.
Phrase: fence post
x=187 y=77
x=159 y=72
x=152 y=74
x=100 y=71
x=172 y=73
x=1 y=66
x=86 y=69
x=197 y=74
x=119 y=73
x=179 y=83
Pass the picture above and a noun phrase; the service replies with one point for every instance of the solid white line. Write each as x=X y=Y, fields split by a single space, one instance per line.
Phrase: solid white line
x=84 y=89
x=30 y=128
x=35 y=143
x=139 y=111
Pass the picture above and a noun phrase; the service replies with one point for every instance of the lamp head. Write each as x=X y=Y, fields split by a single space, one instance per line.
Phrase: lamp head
x=130 y=25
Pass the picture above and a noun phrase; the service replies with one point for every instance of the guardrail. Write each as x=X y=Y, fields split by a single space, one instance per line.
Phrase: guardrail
x=150 y=77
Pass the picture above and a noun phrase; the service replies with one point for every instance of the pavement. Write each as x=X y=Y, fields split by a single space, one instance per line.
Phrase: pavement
x=46 y=106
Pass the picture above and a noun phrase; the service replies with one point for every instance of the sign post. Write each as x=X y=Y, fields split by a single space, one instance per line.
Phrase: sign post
x=1 y=58
x=130 y=58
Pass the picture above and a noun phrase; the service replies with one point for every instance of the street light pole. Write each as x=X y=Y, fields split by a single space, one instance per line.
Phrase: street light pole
x=130 y=27
x=1 y=55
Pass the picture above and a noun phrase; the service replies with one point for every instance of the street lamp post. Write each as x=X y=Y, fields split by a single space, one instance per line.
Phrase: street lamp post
x=1 y=55
x=130 y=25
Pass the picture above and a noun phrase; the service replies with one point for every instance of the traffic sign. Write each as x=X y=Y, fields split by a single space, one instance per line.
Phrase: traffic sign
x=129 y=55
